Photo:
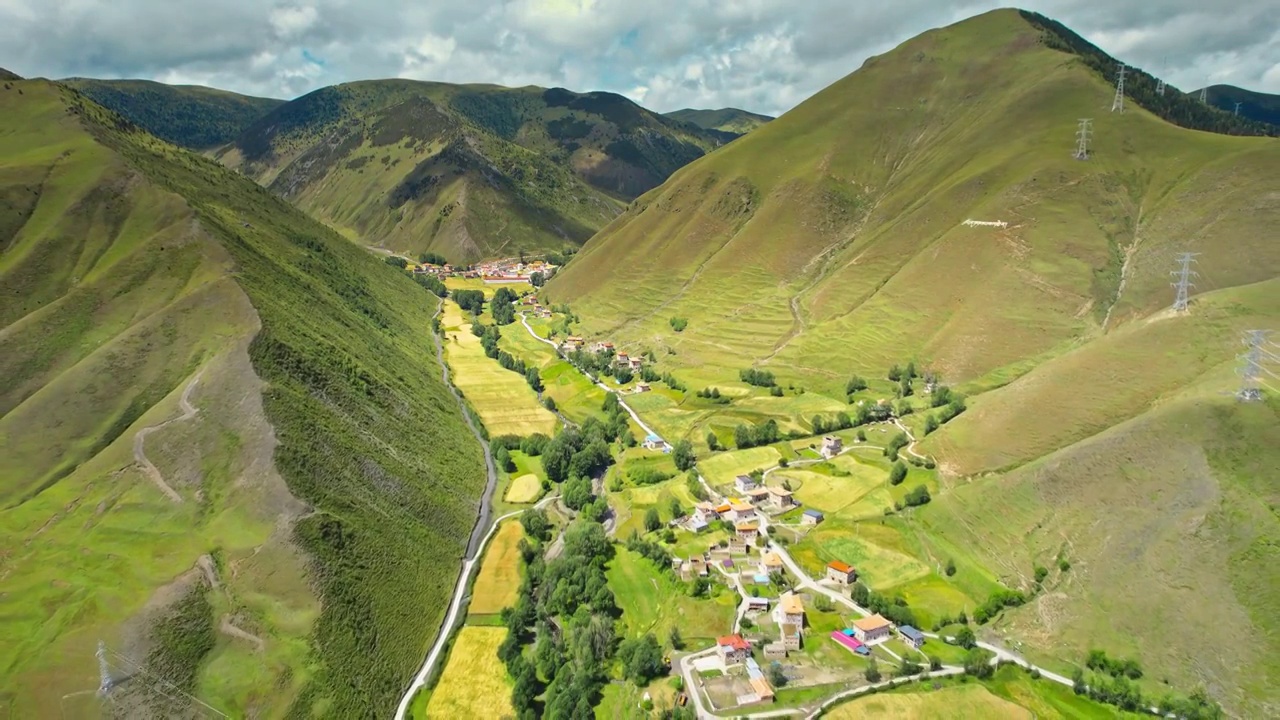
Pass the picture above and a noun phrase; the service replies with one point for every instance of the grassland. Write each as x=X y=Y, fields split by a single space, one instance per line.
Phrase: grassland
x=474 y=682
x=652 y=602
x=308 y=485
x=499 y=577
x=503 y=400
x=955 y=702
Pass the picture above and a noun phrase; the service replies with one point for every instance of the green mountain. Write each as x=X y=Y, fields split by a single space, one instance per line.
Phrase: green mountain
x=1257 y=106
x=7 y=75
x=470 y=171
x=227 y=443
x=729 y=120
x=833 y=241
x=188 y=115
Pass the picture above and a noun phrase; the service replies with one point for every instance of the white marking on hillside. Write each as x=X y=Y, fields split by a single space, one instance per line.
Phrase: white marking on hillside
x=986 y=223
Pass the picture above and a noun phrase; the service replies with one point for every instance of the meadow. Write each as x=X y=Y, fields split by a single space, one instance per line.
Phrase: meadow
x=654 y=602
x=954 y=702
x=474 y=682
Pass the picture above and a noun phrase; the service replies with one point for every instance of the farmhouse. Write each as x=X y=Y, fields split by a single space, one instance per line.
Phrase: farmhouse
x=775 y=650
x=782 y=498
x=911 y=636
x=723 y=509
x=757 y=605
x=732 y=649
x=811 y=517
x=637 y=363
x=759 y=686
x=737 y=546
x=871 y=629
x=747 y=532
x=758 y=495
x=790 y=636
x=846 y=638
x=770 y=563
x=831 y=446
x=743 y=483
x=707 y=510
x=642 y=387
x=789 y=610
x=697 y=522
x=841 y=573
x=622 y=359
x=740 y=511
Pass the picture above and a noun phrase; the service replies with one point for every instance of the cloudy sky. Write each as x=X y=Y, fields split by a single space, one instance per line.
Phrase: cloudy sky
x=762 y=55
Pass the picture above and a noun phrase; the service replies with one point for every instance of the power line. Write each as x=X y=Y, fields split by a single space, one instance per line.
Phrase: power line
x=1253 y=365
x=137 y=668
x=1083 y=133
x=1184 y=275
x=1117 y=105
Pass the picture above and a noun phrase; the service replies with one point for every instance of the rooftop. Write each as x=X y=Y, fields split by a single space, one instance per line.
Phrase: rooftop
x=911 y=632
x=868 y=624
x=733 y=641
x=813 y=513
x=791 y=604
x=771 y=559
x=840 y=567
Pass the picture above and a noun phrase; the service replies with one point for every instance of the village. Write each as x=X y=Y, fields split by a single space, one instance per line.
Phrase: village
x=492 y=272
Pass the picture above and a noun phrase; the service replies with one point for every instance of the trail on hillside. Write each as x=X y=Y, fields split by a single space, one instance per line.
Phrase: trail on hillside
x=139 y=441
x=229 y=628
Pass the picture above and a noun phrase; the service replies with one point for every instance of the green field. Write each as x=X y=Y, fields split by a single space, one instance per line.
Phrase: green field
x=524 y=489
x=503 y=399
x=720 y=469
x=134 y=272
x=955 y=702
x=474 y=682
x=653 y=602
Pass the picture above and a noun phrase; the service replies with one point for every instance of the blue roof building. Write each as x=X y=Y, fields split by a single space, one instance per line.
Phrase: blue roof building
x=911 y=636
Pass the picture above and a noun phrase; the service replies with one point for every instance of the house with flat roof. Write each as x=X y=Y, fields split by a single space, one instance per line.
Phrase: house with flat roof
x=740 y=511
x=759 y=685
x=782 y=498
x=743 y=483
x=748 y=532
x=911 y=636
x=737 y=546
x=811 y=517
x=872 y=629
x=758 y=495
x=841 y=573
x=831 y=446
x=757 y=604
x=733 y=649
x=790 y=636
x=770 y=562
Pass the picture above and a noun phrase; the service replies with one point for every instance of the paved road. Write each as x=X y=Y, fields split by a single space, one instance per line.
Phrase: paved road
x=457 y=604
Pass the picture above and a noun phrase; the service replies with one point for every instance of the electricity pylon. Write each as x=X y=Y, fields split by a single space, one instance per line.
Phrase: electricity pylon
x=1253 y=368
x=1184 y=275
x=1117 y=105
x=1083 y=133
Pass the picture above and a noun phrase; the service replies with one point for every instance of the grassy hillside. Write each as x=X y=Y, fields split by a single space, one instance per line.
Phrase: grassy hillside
x=7 y=75
x=729 y=120
x=189 y=115
x=831 y=242
x=226 y=437
x=1253 y=105
x=470 y=171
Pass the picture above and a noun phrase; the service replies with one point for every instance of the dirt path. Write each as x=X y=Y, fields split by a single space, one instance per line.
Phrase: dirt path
x=139 y=441
x=229 y=628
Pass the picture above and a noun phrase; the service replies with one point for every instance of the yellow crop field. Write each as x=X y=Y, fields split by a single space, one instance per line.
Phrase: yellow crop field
x=475 y=682
x=503 y=400
x=524 y=489
x=499 y=577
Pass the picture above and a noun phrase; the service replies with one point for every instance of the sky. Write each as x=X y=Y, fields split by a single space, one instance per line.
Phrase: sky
x=760 y=55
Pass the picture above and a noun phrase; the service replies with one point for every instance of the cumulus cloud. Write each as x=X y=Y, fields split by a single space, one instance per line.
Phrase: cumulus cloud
x=762 y=55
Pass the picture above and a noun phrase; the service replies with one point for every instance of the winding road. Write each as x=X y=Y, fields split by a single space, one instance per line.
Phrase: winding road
x=139 y=453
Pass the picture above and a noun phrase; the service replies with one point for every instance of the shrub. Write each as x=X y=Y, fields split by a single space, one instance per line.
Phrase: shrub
x=679 y=324
x=396 y=261
x=897 y=473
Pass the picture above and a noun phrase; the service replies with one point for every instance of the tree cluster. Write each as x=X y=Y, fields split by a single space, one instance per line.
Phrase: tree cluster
x=896 y=443
x=756 y=435
x=682 y=454
x=431 y=258
x=894 y=609
x=396 y=261
x=998 y=601
x=645 y=475
x=503 y=306
x=713 y=394
x=757 y=377
x=432 y=284
x=842 y=421
x=1115 y=667
x=470 y=300
x=919 y=495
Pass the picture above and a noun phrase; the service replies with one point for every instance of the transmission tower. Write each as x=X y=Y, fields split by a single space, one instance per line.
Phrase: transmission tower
x=105 y=683
x=1184 y=275
x=1083 y=133
x=1117 y=105
x=1204 y=95
x=1160 y=87
x=1254 y=359
x=1238 y=104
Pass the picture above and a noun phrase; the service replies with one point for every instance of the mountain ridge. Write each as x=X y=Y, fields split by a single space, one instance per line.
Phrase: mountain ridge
x=467 y=170
x=1259 y=106
x=731 y=120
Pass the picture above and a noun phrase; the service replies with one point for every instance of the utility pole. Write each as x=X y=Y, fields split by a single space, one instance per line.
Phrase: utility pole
x=1184 y=275
x=104 y=672
x=1117 y=105
x=1251 y=372
x=1083 y=133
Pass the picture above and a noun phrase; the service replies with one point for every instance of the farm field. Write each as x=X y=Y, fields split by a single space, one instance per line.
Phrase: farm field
x=474 y=682
x=503 y=400
x=498 y=581
x=653 y=602
x=720 y=469
x=953 y=702
x=524 y=489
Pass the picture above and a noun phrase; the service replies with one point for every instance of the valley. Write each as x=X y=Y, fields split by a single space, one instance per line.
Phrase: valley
x=462 y=400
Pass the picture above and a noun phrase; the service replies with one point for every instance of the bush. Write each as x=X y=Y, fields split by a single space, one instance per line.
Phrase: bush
x=930 y=424
x=396 y=261
x=679 y=324
x=897 y=473
x=651 y=520
x=919 y=495
x=682 y=454
x=1041 y=573
x=775 y=391
x=1064 y=565
x=854 y=385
